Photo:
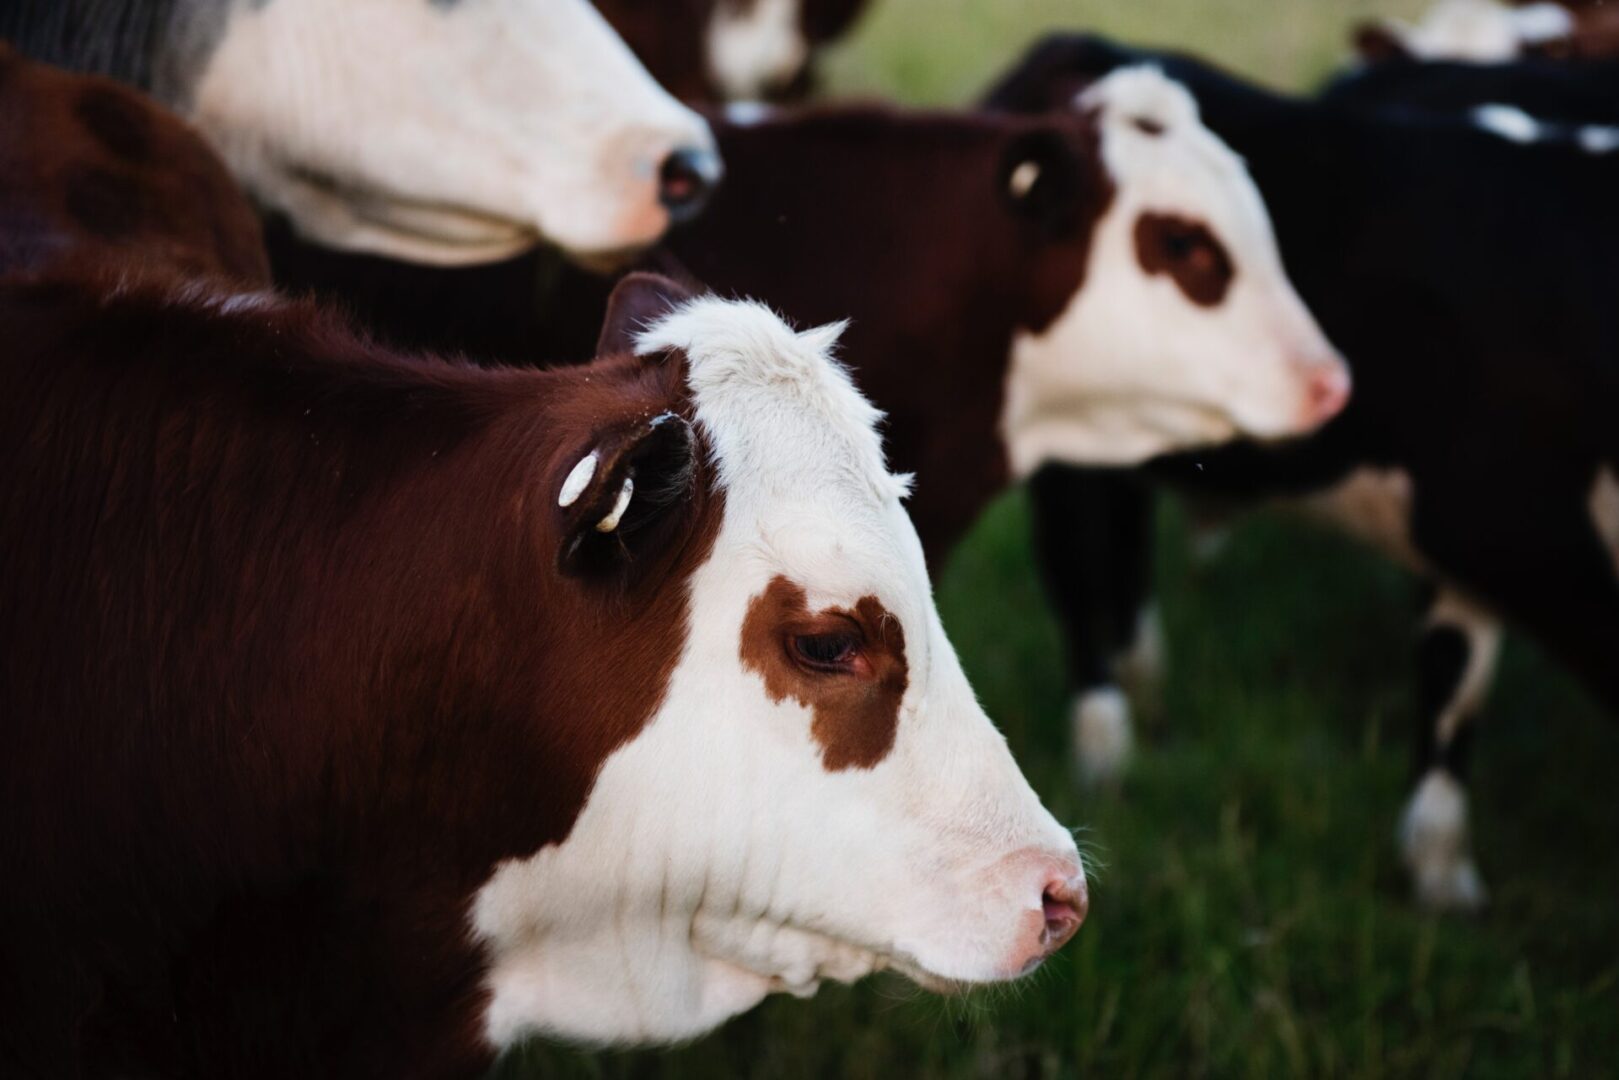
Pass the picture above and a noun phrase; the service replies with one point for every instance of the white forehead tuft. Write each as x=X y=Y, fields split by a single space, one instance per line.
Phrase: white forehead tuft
x=1142 y=93
x=1153 y=135
x=775 y=403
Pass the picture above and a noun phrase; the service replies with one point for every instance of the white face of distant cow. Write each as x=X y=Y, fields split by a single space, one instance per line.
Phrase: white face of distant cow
x=819 y=795
x=451 y=131
x=1184 y=329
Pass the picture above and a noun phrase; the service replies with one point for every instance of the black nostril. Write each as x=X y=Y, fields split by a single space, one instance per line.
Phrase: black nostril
x=685 y=181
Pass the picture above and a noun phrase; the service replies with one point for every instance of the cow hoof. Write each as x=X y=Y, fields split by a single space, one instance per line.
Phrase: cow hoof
x=1434 y=844
x=1101 y=738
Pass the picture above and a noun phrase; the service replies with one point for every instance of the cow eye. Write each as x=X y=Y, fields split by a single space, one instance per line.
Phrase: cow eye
x=1184 y=245
x=833 y=653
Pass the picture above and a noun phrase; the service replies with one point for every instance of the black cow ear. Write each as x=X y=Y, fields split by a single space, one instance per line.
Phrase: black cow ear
x=1377 y=43
x=622 y=496
x=638 y=301
x=1042 y=179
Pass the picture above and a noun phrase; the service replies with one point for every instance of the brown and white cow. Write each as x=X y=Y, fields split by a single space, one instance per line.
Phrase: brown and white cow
x=731 y=50
x=441 y=131
x=1099 y=288
x=361 y=712
x=92 y=169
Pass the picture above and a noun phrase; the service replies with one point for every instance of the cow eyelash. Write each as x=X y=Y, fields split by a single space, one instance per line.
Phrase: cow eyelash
x=835 y=653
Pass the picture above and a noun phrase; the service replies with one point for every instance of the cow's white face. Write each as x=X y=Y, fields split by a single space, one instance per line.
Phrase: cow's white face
x=451 y=131
x=1185 y=330
x=819 y=795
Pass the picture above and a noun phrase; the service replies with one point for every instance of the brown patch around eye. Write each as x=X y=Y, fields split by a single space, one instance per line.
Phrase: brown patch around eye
x=1188 y=252
x=856 y=716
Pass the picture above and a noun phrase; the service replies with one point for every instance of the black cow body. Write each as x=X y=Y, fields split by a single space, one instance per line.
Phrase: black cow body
x=1470 y=281
x=1567 y=91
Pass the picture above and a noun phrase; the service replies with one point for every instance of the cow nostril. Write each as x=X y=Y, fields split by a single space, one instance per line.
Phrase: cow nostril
x=1065 y=905
x=1327 y=393
x=686 y=179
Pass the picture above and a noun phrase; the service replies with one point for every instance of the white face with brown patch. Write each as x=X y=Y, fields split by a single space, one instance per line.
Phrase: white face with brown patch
x=819 y=794
x=451 y=131
x=1184 y=330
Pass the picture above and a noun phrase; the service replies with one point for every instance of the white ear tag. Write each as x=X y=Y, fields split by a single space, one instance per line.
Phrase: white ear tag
x=578 y=479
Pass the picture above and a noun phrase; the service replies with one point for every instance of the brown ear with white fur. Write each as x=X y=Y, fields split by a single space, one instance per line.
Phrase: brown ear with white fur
x=638 y=301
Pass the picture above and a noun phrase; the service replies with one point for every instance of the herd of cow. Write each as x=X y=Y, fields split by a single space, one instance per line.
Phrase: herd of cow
x=416 y=639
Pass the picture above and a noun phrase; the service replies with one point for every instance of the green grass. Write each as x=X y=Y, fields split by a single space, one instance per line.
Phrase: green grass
x=1250 y=917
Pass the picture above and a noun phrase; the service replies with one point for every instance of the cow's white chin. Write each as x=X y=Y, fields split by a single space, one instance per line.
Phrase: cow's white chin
x=1099 y=431
x=438 y=234
x=660 y=983
x=376 y=223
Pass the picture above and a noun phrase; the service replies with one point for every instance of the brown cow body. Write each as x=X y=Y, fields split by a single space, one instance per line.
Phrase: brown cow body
x=283 y=791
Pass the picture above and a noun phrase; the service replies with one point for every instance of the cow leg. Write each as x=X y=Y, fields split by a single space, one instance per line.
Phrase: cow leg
x=1093 y=542
x=1456 y=661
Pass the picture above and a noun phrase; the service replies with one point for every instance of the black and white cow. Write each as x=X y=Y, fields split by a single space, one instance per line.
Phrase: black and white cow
x=441 y=131
x=1561 y=96
x=1468 y=278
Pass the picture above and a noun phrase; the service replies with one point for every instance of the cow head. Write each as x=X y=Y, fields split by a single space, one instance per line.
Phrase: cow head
x=817 y=793
x=451 y=131
x=1184 y=329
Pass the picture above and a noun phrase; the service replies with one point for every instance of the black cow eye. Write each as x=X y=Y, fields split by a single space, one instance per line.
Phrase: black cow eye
x=1180 y=245
x=826 y=652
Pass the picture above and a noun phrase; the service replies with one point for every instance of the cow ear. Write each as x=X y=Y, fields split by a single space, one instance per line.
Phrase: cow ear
x=1042 y=179
x=624 y=495
x=1377 y=42
x=638 y=301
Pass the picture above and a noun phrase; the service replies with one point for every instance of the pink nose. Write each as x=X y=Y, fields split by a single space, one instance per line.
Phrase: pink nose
x=1326 y=392
x=1064 y=902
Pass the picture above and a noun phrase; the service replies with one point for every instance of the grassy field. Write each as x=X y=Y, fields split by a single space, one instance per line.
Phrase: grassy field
x=1250 y=917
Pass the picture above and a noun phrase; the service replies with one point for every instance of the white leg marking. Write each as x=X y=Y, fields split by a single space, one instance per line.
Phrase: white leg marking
x=1099 y=725
x=1434 y=844
x=1483 y=633
x=1603 y=504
